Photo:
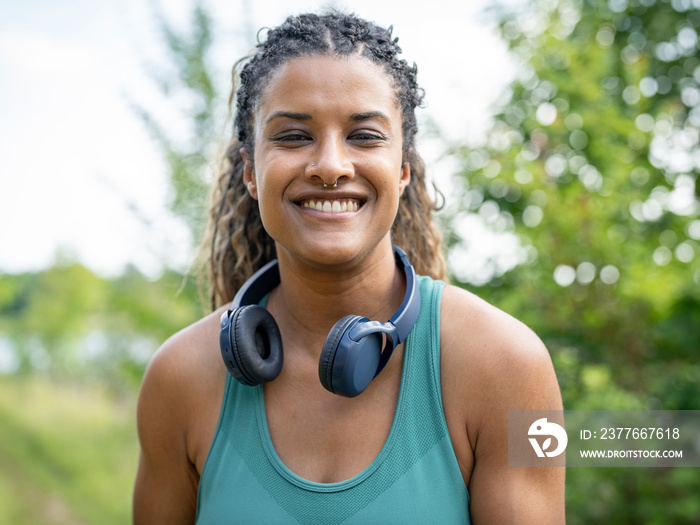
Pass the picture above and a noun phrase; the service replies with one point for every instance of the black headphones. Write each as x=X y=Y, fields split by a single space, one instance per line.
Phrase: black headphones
x=352 y=355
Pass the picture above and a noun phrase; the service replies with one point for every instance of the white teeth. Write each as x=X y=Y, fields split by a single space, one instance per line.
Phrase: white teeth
x=335 y=206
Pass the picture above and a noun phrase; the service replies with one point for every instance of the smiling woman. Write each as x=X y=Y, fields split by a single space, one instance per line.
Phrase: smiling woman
x=320 y=411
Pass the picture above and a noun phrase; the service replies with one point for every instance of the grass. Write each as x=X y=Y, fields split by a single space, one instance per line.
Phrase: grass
x=68 y=454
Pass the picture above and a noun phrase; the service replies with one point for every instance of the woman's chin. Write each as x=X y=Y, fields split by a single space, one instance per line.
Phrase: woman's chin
x=330 y=251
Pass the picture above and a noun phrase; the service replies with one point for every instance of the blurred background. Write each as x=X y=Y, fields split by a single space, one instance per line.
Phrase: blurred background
x=563 y=134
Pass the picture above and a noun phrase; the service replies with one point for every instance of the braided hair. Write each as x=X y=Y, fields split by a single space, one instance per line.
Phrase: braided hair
x=235 y=235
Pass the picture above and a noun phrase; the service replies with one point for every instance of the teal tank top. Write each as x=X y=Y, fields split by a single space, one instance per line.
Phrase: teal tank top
x=414 y=479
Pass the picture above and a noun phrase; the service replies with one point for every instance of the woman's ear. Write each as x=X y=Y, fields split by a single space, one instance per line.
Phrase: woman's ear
x=249 y=174
x=405 y=177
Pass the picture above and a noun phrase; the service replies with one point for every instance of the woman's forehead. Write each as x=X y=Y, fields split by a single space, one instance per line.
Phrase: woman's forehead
x=315 y=83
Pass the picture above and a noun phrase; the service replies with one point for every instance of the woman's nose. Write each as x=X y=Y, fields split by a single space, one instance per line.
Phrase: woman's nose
x=330 y=161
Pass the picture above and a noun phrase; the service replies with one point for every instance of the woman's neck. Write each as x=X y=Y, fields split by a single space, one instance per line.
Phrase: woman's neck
x=310 y=299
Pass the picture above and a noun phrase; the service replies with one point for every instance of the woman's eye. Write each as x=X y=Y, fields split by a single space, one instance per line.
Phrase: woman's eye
x=291 y=137
x=367 y=136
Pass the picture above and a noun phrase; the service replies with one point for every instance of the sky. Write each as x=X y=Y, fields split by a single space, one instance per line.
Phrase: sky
x=79 y=175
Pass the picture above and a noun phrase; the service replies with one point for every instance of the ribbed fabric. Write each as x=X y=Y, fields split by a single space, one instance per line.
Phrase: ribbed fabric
x=414 y=479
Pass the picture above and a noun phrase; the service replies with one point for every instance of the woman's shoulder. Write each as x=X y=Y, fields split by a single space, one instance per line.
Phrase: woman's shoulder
x=484 y=331
x=484 y=349
x=191 y=352
x=185 y=375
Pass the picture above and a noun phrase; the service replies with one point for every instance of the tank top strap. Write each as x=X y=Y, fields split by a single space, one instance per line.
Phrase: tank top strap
x=423 y=355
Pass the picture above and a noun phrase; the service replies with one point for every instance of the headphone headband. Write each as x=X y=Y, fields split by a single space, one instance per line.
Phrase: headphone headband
x=260 y=283
x=268 y=277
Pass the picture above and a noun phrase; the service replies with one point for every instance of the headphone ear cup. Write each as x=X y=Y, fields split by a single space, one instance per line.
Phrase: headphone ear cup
x=256 y=345
x=330 y=347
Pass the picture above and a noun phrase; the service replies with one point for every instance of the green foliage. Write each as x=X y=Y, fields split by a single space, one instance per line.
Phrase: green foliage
x=67 y=454
x=592 y=162
x=636 y=495
x=74 y=324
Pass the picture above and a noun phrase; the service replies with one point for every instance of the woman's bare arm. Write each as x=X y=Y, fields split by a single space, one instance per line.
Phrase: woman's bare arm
x=166 y=481
x=493 y=364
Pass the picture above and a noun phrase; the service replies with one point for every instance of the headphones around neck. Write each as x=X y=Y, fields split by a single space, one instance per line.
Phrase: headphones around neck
x=352 y=355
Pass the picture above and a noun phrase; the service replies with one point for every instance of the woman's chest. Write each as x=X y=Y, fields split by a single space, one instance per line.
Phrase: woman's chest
x=326 y=438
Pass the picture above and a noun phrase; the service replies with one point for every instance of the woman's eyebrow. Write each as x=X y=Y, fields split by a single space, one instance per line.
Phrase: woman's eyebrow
x=356 y=117
x=289 y=115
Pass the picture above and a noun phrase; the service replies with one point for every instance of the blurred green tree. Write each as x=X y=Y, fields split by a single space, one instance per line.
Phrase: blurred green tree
x=592 y=165
x=592 y=162
x=41 y=312
x=76 y=325
x=191 y=79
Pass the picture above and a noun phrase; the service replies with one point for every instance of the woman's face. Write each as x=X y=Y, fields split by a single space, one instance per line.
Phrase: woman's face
x=325 y=119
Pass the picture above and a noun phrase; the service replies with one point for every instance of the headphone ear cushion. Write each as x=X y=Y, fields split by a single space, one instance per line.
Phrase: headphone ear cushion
x=256 y=344
x=330 y=347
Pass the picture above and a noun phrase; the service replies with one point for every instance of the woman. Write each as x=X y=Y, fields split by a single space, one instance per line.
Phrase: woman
x=322 y=174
